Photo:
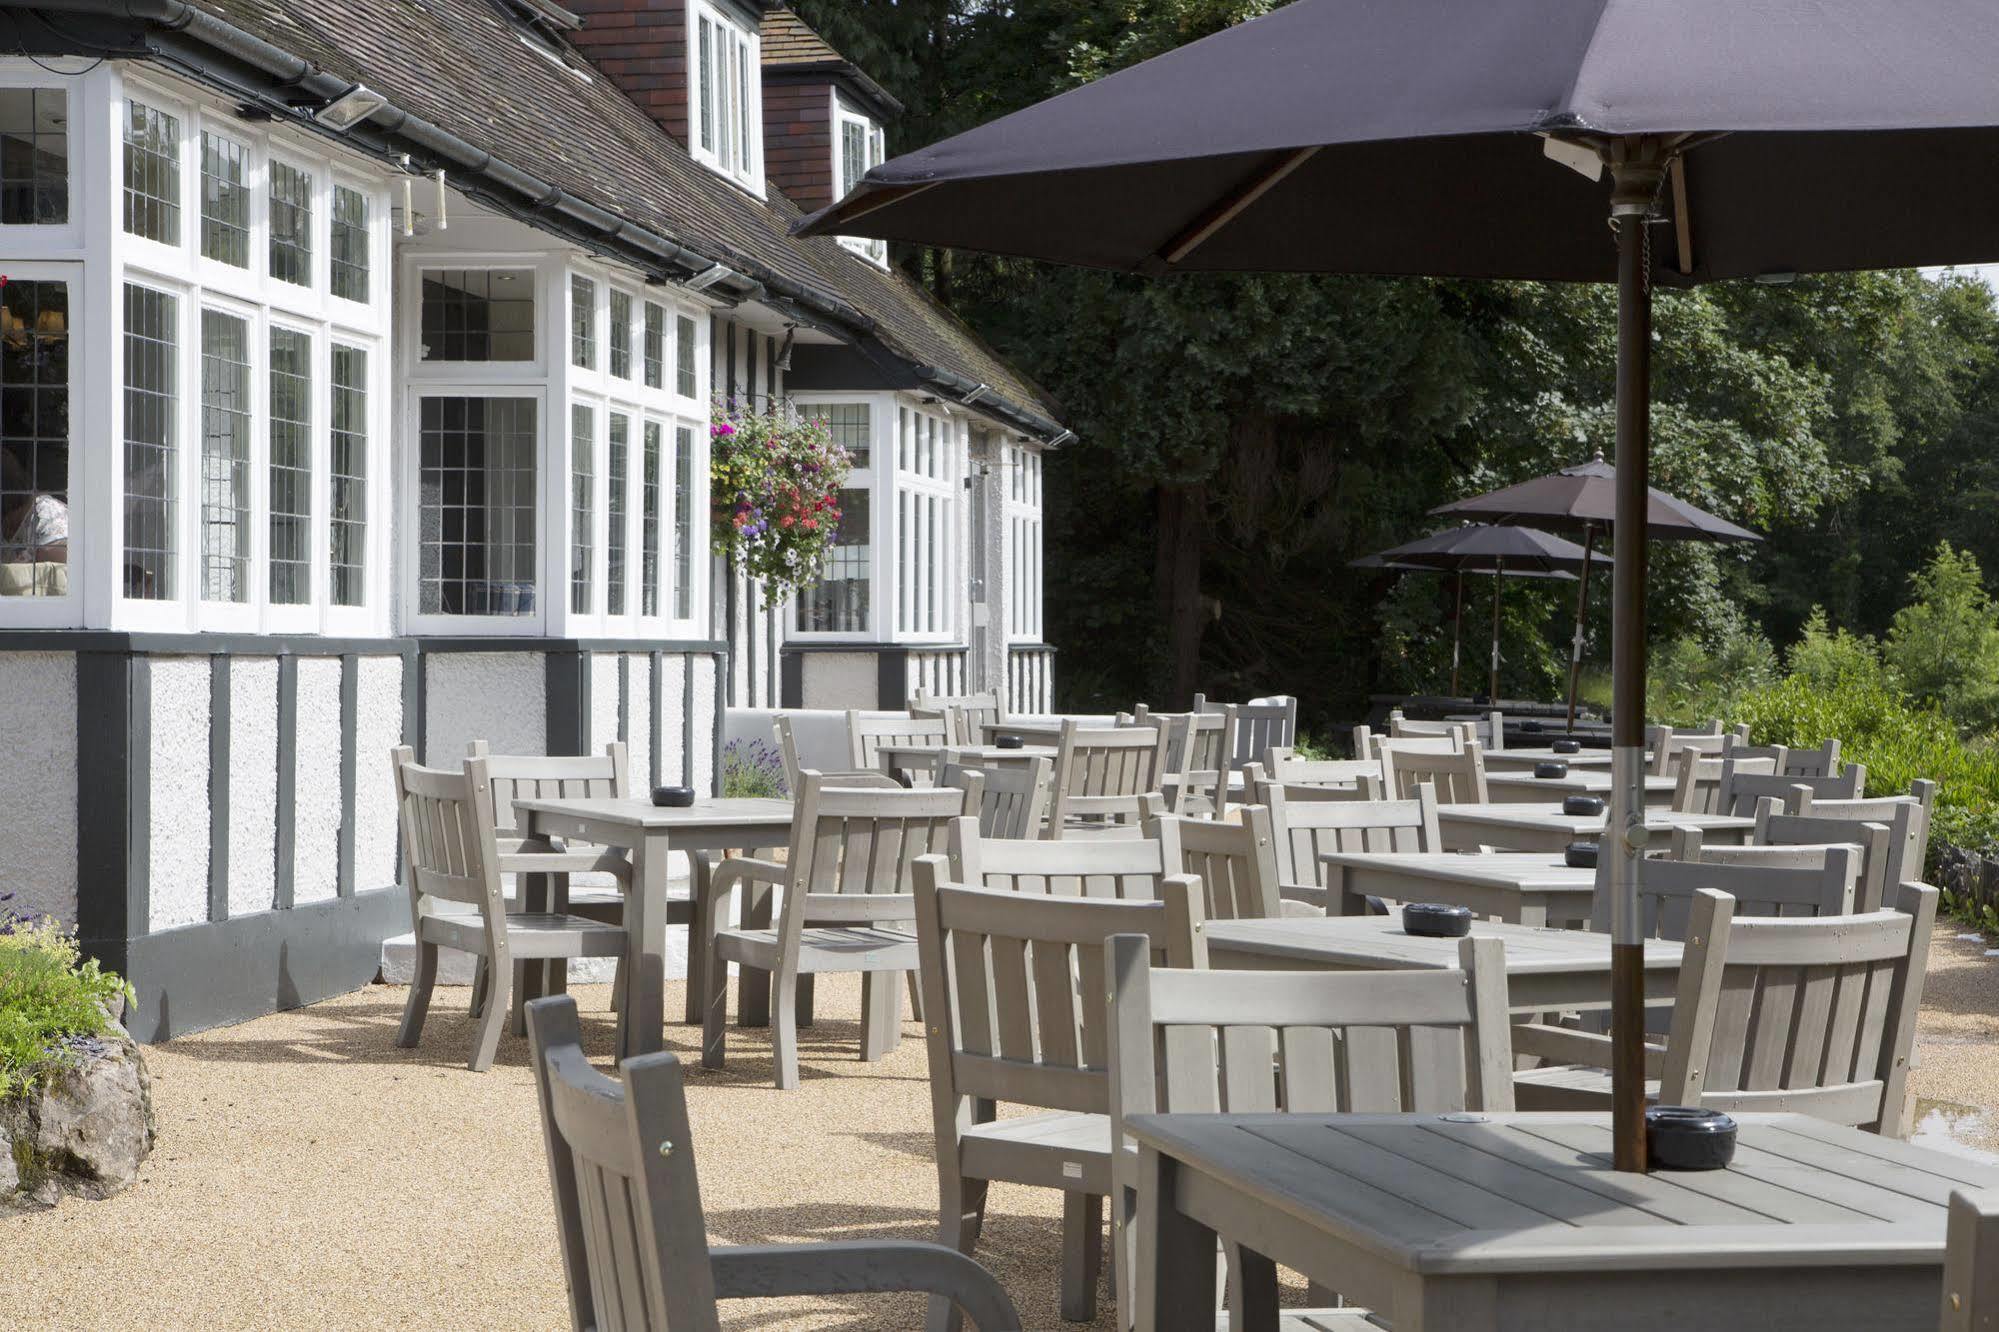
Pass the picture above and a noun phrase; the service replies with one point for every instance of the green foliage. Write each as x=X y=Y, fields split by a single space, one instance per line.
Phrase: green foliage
x=1690 y=680
x=752 y=769
x=1945 y=645
x=49 y=998
x=1828 y=658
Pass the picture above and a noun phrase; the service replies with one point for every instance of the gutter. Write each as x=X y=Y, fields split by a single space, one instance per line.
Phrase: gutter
x=188 y=28
x=969 y=392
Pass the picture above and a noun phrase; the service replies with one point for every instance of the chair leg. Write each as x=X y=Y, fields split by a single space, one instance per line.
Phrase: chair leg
x=881 y=1014
x=479 y=977
x=784 y=1027
x=915 y=996
x=618 y=986
x=418 y=1003
x=528 y=983
x=1082 y=1254
x=962 y=1217
x=805 y=988
x=500 y=999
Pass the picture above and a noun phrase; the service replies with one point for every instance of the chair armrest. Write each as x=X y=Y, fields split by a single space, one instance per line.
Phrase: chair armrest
x=744 y=869
x=1310 y=898
x=861 y=1266
x=1566 y=1045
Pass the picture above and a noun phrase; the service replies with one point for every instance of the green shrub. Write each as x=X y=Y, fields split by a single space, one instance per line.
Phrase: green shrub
x=1690 y=680
x=752 y=769
x=49 y=998
x=1945 y=644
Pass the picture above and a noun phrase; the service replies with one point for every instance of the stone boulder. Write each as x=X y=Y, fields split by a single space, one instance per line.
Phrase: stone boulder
x=86 y=1131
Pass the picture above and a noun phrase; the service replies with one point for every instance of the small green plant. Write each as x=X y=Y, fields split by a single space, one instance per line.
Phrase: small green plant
x=50 y=999
x=752 y=768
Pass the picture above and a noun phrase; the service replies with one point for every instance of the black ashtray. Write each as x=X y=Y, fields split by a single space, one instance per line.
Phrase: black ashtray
x=1008 y=742
x=1555 y=769
x=1582 y=804
x=1579 y=855
x=1685 y=1137
x=1567 y=746
x=673 y=797
x=1437 y=920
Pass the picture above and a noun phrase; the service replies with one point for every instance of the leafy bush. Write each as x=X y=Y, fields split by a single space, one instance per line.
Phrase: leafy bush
x=774 y=485
x=752 y=768
x=1691 y=680
x=49 y=999
x=1945 y=644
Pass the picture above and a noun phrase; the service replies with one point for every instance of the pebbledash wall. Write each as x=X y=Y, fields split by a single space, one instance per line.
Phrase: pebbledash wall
x=214 y=814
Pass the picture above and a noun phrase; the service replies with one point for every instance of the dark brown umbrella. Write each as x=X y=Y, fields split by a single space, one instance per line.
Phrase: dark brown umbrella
x=1503 y=552
x=1473 y=138
x=1585 y=496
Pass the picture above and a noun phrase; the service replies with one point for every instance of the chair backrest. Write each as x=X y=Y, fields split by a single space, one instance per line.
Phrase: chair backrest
x=1255 y=1042
x=1016 y=990
x=1883 y=846
x=1740 y=790
x=1236 y=863
x=1258 y=725
x=852 y=849
x=1304 y=830
x=1971 y=1263
x=627 y=1199
x=1816 y=1016
x=866 y=735
x=1911 y=831
x=449 y=848
x=787 y=750
x=1350 y=775
x=1667 y=888
x=1102 y=867
x=1402 y=728
x=1698 y=779
x=512 y=777
x=1197 y=754
x=1014 y=800
x=1459 y=778
x=1103 y=774
x=973 y=710
x=1666 y=744
x=1820 y=762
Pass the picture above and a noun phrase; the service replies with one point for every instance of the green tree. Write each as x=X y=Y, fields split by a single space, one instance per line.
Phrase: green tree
x=1945 y=644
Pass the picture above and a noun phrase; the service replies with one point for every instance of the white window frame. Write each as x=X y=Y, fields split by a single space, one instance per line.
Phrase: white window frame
x=736 y=100
x=876 y=140
x=1023 y=539
x=876 y=479
x=28 y=238
x=559 y=384
x=197 y=283
x=87 y=502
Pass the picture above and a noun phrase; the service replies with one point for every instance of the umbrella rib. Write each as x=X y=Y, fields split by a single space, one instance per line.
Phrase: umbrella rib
x=1231 y=206
x=1683 y=226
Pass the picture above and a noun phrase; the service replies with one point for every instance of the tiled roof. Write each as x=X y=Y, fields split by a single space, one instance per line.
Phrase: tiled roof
x=462 y=65
x=787 y=44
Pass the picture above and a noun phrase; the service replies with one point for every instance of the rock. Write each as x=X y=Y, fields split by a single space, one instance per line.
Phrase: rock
x=10 y=1177
x=87 y=1131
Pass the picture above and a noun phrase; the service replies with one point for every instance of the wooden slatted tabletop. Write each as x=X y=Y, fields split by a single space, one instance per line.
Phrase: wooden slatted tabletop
x=1515 y=760
x=1525 y=788
x=1524 y=887
x=1517 y=1221
x=1543 y=827
x=1546 y=969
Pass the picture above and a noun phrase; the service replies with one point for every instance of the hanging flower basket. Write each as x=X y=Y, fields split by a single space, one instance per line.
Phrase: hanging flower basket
x=775 y=479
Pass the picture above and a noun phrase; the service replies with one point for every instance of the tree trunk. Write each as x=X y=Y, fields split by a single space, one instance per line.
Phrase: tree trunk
x=1177 y=587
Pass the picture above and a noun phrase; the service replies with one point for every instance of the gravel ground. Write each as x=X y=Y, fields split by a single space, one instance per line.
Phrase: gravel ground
x=311 y=1175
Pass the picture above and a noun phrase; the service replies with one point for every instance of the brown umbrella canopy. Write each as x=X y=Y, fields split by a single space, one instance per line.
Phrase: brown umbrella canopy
x=1586 y=495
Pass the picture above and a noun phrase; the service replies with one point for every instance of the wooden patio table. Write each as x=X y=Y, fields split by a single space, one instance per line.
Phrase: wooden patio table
x=1476 y=1223
x=1547 y=970
x=1524 y=788
x=1523 y=760
x=1523 y=887
x=896 y=759
x=648 y=832
x=1543 y=827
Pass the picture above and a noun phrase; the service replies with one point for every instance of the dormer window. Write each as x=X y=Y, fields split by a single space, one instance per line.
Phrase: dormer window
x=728 y=96
x=858 y=150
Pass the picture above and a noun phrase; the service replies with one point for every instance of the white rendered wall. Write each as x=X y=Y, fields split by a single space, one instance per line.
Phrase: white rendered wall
x=707 y=675
x=498 y=697
x=316 y=782
x=253 y=784
x=838 y=679
x=38 y=783
x=378 y=728
x=638 y=720
x=177 y=892
x=603 y=699
x=672 y=721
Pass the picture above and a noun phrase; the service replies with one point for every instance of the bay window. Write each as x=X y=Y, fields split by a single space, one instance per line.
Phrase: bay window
x=291 y=224
x=727 y=95
x=225 y=201
x=1023 y=542
x=582 y=491
x=152 y=333
x=290 y=444
x=476 y=314
x=347 y=551
x=476 y=508
x=152 y=173
x=34 y=156
x=34 y=438
x=838 y=602
x=929 y=463
x=226 y=414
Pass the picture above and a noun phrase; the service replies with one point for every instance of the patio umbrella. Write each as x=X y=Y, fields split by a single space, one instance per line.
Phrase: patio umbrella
x=1586 y=495
x=1503 y=552
x=1471 y=138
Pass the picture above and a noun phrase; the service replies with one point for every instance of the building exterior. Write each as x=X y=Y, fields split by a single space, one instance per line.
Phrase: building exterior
x=357 y=362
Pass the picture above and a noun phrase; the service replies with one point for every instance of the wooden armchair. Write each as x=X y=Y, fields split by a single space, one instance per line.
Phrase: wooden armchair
x=1014 y=800
x=1101 y=867
x=973 y=711
x=1259 y=1042
x=867 y=735
x=1883 y=846
x=1259 y=726
x=846 y=890
x=451 y=861
x=1971 y=1264
x=1015 y=986
x=635 y=1251
x=1459 y=778
x=1236 y=863
x=1106 y=779
x=1304 y=830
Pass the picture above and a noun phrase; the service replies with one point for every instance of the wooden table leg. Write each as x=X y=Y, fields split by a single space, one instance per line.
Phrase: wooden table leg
x=1175 y=1281
x=642 y=1021
x=700 y=873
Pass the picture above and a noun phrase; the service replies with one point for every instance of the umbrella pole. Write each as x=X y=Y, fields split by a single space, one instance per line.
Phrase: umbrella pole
x=1498 y=574
x=1638 y=165
x=1457 y=632
x=1582 y=609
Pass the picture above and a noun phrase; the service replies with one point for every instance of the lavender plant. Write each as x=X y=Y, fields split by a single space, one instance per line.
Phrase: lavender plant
x=752 y=768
